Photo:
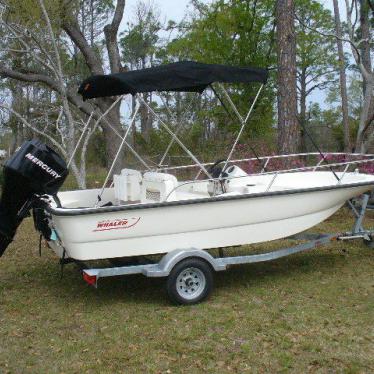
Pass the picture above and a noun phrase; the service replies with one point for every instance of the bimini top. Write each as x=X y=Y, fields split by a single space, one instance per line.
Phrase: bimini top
x=185 y=76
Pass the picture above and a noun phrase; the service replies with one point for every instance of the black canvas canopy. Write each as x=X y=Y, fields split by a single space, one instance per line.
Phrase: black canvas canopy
x=184 y=76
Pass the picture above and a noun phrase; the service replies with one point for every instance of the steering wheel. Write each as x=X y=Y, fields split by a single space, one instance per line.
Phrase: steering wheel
x=216 y=170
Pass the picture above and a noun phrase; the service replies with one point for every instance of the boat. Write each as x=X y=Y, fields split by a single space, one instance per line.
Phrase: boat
x=151 y=211
x=191 y=218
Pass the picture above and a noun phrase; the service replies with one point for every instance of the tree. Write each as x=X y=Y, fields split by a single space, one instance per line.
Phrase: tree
x=231 y=32
x=288 y=128
x=342 y=77
x=325 y=128
x=140 y=44
x=360 y=46
x=67 y=31
x=21 y=43
x=365 y=35
x=362 y=62
x=315 y=56
x=355 y=102
x=365 y=50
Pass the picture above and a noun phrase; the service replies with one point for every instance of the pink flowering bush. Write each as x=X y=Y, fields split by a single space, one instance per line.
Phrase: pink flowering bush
x=366 y=167
x=255 y=166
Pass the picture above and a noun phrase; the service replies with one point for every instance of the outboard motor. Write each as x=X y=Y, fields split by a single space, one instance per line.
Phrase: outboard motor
x=34 y=170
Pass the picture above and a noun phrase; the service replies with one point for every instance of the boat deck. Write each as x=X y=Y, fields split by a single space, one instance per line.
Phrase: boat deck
x=191 y=190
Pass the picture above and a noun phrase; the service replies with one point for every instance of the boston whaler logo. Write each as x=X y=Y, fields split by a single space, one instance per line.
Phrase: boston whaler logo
x=43 y=166
x=116 y=224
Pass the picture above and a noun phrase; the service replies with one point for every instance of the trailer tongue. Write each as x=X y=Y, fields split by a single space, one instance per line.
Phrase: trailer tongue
x=35 y=169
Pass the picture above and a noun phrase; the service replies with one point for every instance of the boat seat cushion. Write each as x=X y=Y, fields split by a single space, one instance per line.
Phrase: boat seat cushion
x=159 y=177
x=132 y=173
x=127 y=185
x=158 y=187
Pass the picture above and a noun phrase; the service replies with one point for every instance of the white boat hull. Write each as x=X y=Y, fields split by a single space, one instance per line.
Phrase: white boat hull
x=205 y=224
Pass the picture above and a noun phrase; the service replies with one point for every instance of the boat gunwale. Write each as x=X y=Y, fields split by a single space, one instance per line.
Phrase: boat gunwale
x=67 y=212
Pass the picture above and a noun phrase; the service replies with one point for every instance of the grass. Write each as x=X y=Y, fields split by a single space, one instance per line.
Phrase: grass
x=94 y=179
x=310 y=312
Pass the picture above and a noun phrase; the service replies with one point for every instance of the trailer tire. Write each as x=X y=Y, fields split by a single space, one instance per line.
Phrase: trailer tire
x=190 y=281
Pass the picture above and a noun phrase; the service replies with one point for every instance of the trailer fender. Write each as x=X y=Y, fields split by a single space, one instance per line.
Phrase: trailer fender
x=167 y=263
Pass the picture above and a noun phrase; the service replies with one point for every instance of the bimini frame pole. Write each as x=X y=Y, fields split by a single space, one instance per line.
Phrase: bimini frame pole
x=242 y=120
x=136 y=154
x=79 y=140
x=118 y=153
x=101 y=116
x=178 y=128
x=166 y=127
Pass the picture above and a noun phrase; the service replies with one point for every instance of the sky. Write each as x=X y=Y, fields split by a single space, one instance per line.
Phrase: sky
x=170 y=9
x=328 y=4
x=177 y=9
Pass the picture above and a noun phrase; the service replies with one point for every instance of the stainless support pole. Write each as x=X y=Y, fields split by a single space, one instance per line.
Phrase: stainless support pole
x=166 y=127
x=118 y=153
x=97 y=121
x=243 y=121
x=79 y=140
x=136 y=154
x=265 y=165
x=179 y=127
x=344 y=172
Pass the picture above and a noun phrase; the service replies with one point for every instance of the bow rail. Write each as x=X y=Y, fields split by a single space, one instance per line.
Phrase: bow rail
x=364 y=160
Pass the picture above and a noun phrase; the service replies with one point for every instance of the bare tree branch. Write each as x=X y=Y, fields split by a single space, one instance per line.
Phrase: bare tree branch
x=76 y=35
x=329 y=35
x=356 y=53
x=367 y=125
x=354 y=4
x=319 y=85
x=60 y=131
x=371 y=5
x=34 y=129
x=320 y=75
x=21 y=36
x=30 y=77
x=111 y=32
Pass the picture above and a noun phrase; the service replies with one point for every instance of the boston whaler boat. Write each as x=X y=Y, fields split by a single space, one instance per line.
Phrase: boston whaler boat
x=154 y=213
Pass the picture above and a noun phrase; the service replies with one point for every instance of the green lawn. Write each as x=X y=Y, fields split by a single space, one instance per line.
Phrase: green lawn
x=311 y=312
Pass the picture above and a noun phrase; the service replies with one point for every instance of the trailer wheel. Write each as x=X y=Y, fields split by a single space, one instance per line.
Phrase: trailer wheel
x=190 y=281
x=369 y=243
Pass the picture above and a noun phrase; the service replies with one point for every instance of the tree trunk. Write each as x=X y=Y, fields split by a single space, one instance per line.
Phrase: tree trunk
x=112 y=140
x=288 y=130
x=342 y=77
x=92 y=23
x=18 y=104
x=368 y=107
x=15 y=137
x=365 y=36
x=302 y=116
x=133 y=130
x=361 y=145
x=145 y=119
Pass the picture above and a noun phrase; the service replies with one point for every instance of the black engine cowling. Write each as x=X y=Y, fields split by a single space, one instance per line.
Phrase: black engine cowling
x=35 y=169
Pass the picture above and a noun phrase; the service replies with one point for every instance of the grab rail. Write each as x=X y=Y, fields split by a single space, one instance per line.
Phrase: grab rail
x=285 y=171
x=271 y=157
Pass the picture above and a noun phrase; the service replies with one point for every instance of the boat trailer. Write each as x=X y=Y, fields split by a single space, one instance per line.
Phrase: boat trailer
x=189 y=271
